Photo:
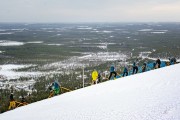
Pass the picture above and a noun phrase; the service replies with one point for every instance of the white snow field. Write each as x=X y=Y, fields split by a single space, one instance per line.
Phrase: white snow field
x=8 y=71
x=153 y=95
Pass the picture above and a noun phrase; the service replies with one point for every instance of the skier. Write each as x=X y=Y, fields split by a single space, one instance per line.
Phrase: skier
x=112 y=71
x=99 y=76
x=158 y=63
x=56 y=87
x=144 y=67
x=125 y=71
x=22 y=99
x=172 y=61
x=12 y=104
x=135 y=67
x=94 y=76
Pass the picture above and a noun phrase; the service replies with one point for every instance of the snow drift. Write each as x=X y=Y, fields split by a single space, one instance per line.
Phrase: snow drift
x=152 y=95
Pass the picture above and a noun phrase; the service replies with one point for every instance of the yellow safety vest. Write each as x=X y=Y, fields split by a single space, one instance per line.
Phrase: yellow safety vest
x=94 y=75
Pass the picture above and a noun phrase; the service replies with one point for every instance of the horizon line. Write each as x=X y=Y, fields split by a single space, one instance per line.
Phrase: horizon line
x=88 y=22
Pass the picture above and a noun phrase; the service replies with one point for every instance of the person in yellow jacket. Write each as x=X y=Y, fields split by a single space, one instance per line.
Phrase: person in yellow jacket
x=94 y=76
x=12 y=103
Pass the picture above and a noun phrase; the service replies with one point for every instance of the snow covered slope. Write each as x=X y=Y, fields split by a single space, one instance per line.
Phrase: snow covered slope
x=154 y=95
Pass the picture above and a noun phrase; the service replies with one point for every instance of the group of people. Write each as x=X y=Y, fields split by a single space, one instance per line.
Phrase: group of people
x=55 y=87
x=126 y=70
x=135 y=67
x=96 y=77
x=13 y=103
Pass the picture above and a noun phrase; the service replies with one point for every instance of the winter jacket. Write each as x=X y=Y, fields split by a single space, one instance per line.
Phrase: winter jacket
x=125 y=69
x=158 y=61
x=94 y=75
x=135 y=64
x=56 y=85
x=112 y=69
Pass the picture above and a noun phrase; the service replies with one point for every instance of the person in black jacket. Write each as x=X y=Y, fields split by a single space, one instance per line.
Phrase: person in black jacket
x=11 y=97
x=99 y=76
x=144 y=67
x=135 y=67
x=158 y=63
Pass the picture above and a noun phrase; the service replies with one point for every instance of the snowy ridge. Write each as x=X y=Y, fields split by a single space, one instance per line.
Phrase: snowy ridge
x=153 y=95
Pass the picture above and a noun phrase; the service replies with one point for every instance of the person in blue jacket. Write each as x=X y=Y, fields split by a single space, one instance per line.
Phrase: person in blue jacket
x=56 y=87
x=125 y=72
x=112 y=71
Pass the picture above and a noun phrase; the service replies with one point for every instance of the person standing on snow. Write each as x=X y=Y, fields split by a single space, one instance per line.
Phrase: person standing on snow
x=135 y=67
x=56 y=87
x=144 y=67
x=158 y=63
x=99 y=76
x=112 y=71
x=94 y=76
x=172 y=61
x=12 y=102
x=125 y=71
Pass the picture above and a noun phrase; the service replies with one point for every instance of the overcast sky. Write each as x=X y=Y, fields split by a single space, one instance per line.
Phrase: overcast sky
x=89 y=10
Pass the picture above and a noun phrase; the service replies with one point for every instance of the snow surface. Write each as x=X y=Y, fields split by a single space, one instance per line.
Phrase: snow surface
x=9 y=71
x=55 y=44
x=78 y=62
x=145 y=55
x=6 y=33
x=85 y=28
x=1 y=51
x=38 y=42
x=158 y=32
x=10 y=43
x=152 y=95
